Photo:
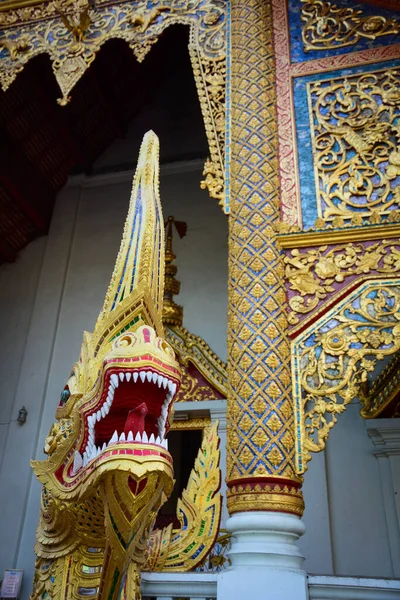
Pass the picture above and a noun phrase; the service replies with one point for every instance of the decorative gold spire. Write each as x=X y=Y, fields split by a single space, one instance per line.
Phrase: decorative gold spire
x=136 y=289
x=172 y=312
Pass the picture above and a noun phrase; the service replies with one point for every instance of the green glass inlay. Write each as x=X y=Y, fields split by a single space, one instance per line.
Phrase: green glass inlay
x=113 y=523
x=203 y=523
x=188 y=549
x=135 y=320
x=114 y=583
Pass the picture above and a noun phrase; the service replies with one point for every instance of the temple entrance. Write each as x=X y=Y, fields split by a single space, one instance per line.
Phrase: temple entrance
x=99 y=131
x=65 y=186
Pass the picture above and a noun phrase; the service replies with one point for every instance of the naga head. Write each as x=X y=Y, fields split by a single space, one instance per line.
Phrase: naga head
x=115 y=410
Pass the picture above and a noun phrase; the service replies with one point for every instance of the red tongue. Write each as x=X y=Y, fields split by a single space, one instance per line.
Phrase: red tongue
x=135 y=420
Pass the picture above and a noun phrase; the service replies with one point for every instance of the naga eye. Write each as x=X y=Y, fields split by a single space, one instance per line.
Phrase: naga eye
x=65 y=394
x=165 y=347
x=126 y=340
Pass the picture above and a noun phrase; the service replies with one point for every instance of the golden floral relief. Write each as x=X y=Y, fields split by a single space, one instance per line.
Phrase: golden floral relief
x=332 y=359
x=355 y=132
x=193 y=389
x=328 y=26
x=318 y=272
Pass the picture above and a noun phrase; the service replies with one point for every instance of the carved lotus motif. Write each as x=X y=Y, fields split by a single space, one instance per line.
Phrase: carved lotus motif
x=335 y=342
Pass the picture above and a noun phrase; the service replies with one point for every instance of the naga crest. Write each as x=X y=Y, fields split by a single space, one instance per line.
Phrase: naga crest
x=108 y=469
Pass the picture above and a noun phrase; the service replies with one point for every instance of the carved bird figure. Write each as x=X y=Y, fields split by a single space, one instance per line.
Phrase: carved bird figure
x=78 y=29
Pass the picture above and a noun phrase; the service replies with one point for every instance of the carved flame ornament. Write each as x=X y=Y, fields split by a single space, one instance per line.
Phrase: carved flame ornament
x=108 y=469
x=182 y=549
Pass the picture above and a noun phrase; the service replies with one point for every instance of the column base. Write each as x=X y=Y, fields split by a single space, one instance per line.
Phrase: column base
x=266 y=561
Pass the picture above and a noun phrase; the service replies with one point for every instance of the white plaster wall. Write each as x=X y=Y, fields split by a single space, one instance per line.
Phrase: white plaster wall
x=55 y=290
x=346 y=531
x=360 y=543
x=18 y=506
x=316 y=544
x=18 y=283
x=18 y=286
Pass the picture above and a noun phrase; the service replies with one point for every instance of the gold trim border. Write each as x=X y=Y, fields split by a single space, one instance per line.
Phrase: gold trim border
x=265 y=501
x=201 y=423
x=18 y=5
x=308 y=239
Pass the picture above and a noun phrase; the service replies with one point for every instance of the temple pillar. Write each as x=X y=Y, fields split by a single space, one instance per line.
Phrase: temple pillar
x=264 y=492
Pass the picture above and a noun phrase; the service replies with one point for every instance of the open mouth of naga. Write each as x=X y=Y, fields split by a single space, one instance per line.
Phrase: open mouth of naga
x=133 y=408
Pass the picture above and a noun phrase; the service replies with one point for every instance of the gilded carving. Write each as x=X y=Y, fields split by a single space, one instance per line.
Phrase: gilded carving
x=198 y=510
x=382 y=393
x=355 y=135
x=333 y=357
x=318 y=273
x=210 y=76
x=327 y=26
x=193 y=349
x=203 y=423
x=257 y=324
x=172 y=312
x=72 y=32
x=275 y=496
x=192 y=390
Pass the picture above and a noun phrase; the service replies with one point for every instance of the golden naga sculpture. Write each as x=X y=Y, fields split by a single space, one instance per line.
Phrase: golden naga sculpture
x=108 y=470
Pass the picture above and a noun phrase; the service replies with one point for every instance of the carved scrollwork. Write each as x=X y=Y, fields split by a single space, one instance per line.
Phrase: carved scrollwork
x=210 y=78
x=83 y=32
x=328 y=26
x=191 y=390
x=334 y=356
x=43 y=581
x=317 y=273
x=355 y=130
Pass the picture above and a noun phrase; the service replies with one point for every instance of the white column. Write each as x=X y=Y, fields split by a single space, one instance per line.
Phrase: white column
x=266 y=560
x=385 y=436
